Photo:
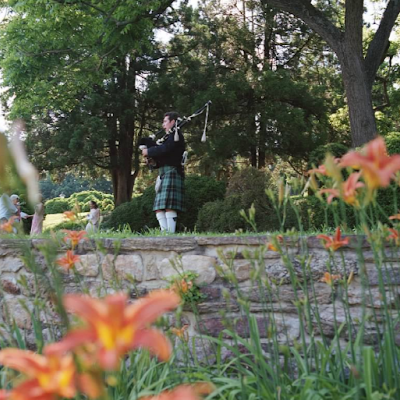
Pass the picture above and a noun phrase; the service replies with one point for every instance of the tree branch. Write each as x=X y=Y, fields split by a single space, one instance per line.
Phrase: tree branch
x=378 y=47
x=313 y=17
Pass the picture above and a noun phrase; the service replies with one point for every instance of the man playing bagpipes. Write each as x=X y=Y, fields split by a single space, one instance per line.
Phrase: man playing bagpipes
x=168 y=157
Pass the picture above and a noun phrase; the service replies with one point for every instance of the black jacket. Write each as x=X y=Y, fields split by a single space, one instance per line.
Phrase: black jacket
x=170 y=152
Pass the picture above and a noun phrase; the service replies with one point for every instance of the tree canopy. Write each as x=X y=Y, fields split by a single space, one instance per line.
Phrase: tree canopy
x=90 y=79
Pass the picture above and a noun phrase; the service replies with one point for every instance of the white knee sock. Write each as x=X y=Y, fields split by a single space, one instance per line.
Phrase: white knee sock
x=171 y=220
x=162 y=220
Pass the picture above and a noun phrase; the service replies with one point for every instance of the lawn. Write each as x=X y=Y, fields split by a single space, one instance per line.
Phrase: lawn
x=52 y=220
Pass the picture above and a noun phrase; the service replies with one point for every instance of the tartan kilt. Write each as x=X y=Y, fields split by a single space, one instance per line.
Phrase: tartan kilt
x=171 y=193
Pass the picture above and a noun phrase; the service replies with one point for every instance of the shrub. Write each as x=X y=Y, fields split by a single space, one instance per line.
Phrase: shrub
x=318 y=155
x=246 y=187
x=221 y=216
x=392 y=140
x=57 y=205
x=139 y=214
x=127 y=213
x=83 y=198
x=198 y=191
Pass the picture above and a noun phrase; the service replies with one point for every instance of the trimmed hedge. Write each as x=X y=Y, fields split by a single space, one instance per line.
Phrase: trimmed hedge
x=60 y=204
x=57 y=205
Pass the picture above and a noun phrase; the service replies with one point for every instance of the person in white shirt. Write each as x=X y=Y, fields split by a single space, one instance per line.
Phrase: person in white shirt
x=8 y=207
x=93 y=217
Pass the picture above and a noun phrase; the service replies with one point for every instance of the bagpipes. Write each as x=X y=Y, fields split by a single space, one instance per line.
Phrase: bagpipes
x=153 y=140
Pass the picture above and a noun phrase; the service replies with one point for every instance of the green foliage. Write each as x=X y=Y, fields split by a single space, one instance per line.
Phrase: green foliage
x=139 y=214
x=318 y=155
x=74 y=67
x=198 y=191
x=70 y=225
x=245 y=188
x=72 y=184
x=128 y=214
x=392 y=140
x=83 y=199
x=259 y=109
x=57 y=205
x=221 y=216
x=184 y=284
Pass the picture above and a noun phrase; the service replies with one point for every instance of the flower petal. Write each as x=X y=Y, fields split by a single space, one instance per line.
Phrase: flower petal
x=24 y=361
x=155 y=341
x=147 y=310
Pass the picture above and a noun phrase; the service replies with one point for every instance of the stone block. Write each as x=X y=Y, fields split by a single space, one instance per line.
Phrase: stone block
x=204 y=266
x=231 y=240
x=13 y=246
x=213 y=326
x=386 y=275
x=168 y=243
x=88 y=265
x=16 y=309
x=10 y=286
x=10 y=264
x=152 y=261
x=124 y=266
x=310 y=266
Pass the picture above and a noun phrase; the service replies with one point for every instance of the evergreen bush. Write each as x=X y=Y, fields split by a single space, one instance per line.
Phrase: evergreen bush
x=221 y=216
x=57 y=205
x=245 y=188
x=392 y=140
x=139 y=214
x=318 y=155
x=198 y=191
x=83 y=198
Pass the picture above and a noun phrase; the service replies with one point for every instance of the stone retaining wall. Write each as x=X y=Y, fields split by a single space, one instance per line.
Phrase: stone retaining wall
x=139 y=265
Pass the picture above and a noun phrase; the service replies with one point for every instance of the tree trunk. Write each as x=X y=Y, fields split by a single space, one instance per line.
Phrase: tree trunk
x=358 y=73
x=359 y=100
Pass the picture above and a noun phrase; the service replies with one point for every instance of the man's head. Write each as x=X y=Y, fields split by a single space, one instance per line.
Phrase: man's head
x=14 y=198
x=169 y=120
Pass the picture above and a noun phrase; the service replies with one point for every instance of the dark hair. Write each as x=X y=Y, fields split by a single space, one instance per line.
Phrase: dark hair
x=172 y=115
x=94 y=204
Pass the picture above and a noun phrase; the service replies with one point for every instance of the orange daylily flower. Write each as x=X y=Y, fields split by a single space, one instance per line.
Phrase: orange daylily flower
x=182 y=286
x=48 y=377
x=114 y=327
x=274 y=244
x=328 y=168
x=181 y=332
x=70 y=215
x=320 y=170
x=74 y=237
x=69 y=260
x=329 y=279
x=395 y=235
x=335 y=242
x=184 y=392
x=376 y=166
x=395 y=216
x=347 y=191
x=8 y=226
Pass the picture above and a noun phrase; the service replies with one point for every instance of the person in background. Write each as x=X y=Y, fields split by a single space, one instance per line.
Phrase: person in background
x=168 y=156
x=20 y=214
x=8 y=207
x=38 y=217
x=93 y=217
